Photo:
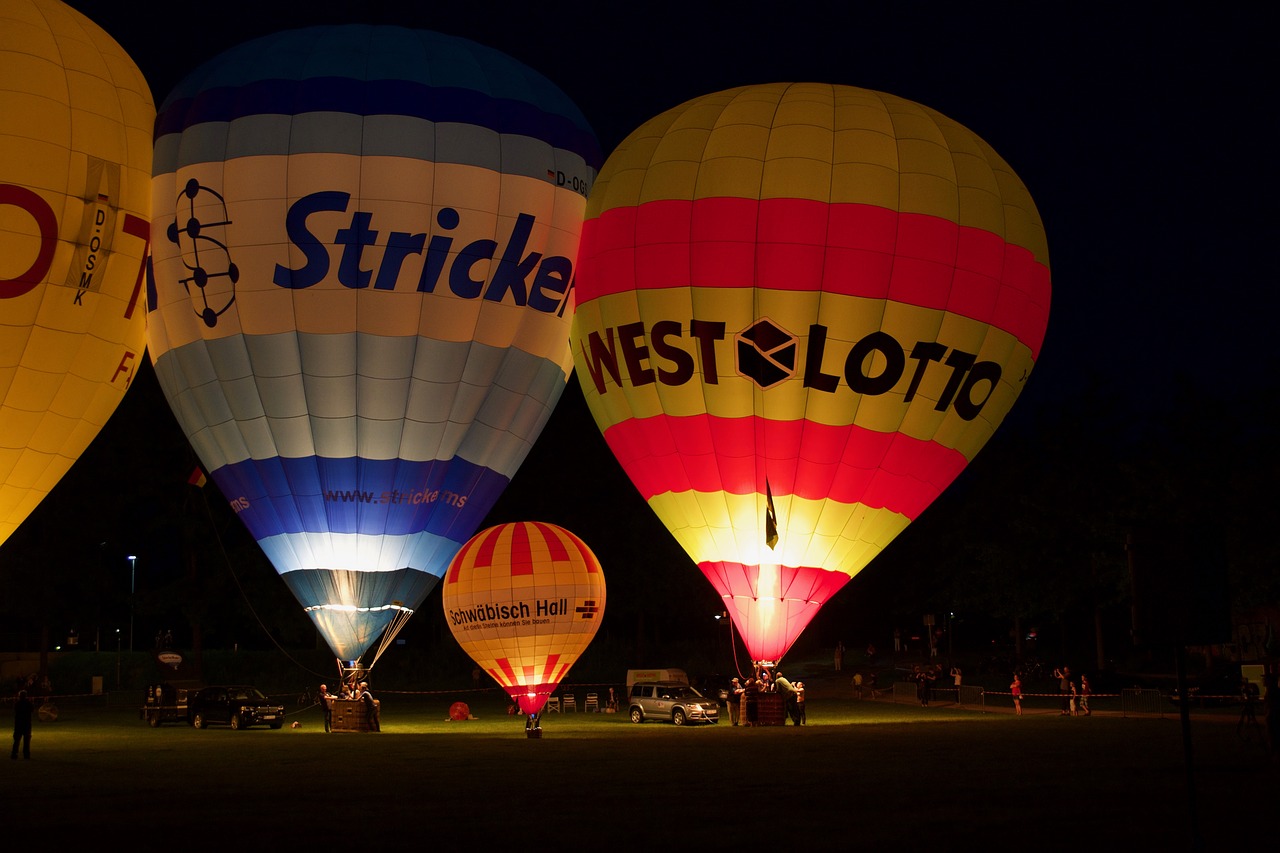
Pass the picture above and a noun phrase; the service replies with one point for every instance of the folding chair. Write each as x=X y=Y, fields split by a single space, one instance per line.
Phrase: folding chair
x=592 y=703
x=569 y=703
x=553 y=704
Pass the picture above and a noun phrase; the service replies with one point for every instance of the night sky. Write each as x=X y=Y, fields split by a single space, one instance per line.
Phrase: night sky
x=1138 y=131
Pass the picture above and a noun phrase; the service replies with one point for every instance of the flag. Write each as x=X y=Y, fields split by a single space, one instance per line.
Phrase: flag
x=770 y=518
x=197 y=478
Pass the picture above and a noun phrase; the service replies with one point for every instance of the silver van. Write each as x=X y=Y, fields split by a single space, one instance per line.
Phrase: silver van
x=671 y=700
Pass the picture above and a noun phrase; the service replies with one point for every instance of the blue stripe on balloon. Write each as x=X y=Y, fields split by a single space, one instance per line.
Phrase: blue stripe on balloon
x=378 y=97
x=384 y=496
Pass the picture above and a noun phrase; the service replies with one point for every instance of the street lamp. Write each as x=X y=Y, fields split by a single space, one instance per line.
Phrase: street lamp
x=133 y=564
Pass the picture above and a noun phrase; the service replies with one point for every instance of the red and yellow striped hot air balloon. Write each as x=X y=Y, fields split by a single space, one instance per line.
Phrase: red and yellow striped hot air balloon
x=524 y=601
x=802 y=309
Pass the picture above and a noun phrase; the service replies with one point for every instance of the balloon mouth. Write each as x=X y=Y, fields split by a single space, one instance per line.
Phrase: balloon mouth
x=351 y=608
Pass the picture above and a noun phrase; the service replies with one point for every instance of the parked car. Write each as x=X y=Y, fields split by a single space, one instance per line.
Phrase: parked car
x=671 y=700
x=237 y=705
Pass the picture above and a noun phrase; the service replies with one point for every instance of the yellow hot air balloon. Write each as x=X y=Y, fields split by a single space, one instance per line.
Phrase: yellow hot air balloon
x=76 y=118
x=524 y=601
x=802 y=309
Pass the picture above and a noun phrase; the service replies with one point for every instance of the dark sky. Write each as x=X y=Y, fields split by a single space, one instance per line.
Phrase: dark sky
x=1140 y=133
x=1138 y=129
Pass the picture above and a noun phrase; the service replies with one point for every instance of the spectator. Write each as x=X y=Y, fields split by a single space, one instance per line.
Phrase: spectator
x=22 y=709
x=1064 y=688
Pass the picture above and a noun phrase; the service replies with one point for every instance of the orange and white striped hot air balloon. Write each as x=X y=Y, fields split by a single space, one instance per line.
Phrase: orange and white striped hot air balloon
x=524 y=601
x=802 y=310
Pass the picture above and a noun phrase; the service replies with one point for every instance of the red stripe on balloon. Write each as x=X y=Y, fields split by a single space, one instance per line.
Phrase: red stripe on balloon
x=521 y=557
x=797 y=244
x=463 y=557
x=555 y=545
x=847 y=464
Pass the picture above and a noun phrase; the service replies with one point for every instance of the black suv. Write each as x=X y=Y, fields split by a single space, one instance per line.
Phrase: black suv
x=237 y=705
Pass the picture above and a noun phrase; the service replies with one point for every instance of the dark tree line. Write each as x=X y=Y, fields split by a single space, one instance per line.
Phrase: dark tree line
x=1039 y=532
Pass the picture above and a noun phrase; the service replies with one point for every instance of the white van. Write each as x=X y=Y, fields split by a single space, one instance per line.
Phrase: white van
x=655 y=675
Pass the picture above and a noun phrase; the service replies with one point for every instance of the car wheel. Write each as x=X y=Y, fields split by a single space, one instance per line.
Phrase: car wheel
x=677 y=717
x=197 y=721
x=154 y=720
x=277 y=724
x=236 y=722
x=637 y=716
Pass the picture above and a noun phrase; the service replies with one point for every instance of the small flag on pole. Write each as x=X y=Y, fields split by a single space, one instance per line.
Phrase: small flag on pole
x=197 y=478
x=770 y=518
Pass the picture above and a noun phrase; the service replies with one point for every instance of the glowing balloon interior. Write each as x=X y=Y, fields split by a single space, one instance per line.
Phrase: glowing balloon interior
x=524 y=601
x=802 y=310
x=75 y=174
x=364 y=244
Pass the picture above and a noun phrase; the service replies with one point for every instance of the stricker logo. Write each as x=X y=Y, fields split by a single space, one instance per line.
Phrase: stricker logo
x=766 y=354
x=212 y=272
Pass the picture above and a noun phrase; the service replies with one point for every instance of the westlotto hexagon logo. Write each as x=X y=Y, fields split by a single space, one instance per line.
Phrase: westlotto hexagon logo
x=766 y=353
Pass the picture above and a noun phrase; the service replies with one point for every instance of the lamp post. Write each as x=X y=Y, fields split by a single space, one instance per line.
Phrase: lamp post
x=133 y=563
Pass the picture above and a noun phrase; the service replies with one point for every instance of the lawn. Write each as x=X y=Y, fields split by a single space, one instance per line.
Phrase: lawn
x=862 y=774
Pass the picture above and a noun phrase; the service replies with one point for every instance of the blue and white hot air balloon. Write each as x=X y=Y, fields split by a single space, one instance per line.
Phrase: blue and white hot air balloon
x=364 y=241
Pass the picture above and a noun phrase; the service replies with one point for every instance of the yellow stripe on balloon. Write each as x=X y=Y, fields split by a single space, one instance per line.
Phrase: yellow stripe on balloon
x=844 y=537
x=402 y=195
x=737 y=396
x=885 y=151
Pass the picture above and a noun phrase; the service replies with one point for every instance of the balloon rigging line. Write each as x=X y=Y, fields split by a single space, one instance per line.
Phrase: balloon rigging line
x=245 y=598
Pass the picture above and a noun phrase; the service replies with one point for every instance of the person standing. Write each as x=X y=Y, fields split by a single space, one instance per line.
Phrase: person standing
x=839 y=661
x=1085 y=690
x=1064 y=688
x=326 y=707
x=1016 y=690
x=22 y=709
x=1272 y=682
x=804 y=720
x=370 y=707
x=956 y=677
x=857 y=685
x=735 y=700
x=789 y=696
x=930 y=677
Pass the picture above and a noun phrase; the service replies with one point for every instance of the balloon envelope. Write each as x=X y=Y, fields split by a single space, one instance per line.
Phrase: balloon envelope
x=363 y=251
x=524 y=600
x=75 y=171
x=802 y=309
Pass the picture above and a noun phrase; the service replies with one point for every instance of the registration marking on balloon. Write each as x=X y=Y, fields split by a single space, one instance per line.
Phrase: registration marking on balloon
x=75 y=164
x=803 y=309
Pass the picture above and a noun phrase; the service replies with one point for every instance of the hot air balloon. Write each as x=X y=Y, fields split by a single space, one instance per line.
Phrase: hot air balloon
x=524 y=601
x=802 y=310
x=364 y=249
x=75 y=197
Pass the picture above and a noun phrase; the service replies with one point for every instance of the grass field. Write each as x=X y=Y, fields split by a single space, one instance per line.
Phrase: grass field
x=862 y=774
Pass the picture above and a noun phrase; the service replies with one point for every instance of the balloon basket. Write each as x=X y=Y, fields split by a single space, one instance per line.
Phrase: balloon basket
x=533 y=733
